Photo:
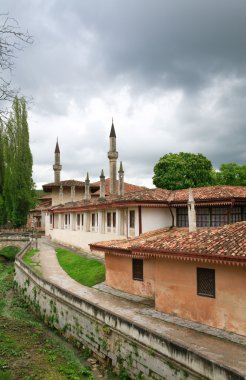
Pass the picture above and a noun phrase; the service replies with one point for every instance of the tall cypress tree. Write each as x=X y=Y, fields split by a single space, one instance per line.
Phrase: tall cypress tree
x=2 y=208
x=18 y=184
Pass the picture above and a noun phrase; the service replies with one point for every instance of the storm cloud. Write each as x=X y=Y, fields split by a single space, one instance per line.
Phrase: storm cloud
x=171 y=73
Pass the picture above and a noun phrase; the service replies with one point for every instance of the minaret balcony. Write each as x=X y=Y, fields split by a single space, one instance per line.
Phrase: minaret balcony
x=112 y=155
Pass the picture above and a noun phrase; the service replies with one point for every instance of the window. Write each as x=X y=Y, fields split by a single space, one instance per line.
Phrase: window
x=236 y=214
x=67 y=220
x=108 y=219
x=137 y=269
x=114 y=219
x=206 y=282
x=82 y=220
x=182 y=217
x=51 y=218
x=111 y=222
x=219 y=216
x=203 y=217
x=132 y=218
x=78 y=220
x=94 y=221
x=244 y=213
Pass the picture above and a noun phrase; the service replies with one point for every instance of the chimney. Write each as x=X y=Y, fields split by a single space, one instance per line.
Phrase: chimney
x=72 y=193
x=121 y=180
x=191 y=212
x=87 y=188
x=61 y=195
x=102 y=185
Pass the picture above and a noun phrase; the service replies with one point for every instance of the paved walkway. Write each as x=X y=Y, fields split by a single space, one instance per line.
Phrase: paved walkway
x=221 y=351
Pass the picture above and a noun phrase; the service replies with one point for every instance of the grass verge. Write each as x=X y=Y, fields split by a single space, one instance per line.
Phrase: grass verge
x=29 y=350
x=31 y=258
x=88 y=272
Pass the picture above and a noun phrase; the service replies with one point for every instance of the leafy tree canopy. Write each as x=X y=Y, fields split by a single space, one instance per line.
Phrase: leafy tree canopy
x=231 y=174
x=183 y=170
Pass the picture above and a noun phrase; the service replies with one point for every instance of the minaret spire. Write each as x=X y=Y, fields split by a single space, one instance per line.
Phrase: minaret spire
x=121 y=180
x=112 y=156
x=57 y=167
x=102 y=185
x=87 y=196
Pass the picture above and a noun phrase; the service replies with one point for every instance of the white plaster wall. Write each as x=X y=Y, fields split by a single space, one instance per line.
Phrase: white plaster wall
x=154 y=218
x=47 y=224
x=81 y=239
x=79 y=195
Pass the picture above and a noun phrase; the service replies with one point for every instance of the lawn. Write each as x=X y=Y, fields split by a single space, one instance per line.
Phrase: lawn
x=9 y=252
x=86 y=271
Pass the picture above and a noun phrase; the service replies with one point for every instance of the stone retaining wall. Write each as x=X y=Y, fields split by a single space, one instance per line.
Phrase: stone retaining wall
x=13 y=240
x=124 y=344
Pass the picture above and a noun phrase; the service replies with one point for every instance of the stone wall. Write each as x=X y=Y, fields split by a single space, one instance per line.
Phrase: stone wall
x=122 y=343
x=13 y=240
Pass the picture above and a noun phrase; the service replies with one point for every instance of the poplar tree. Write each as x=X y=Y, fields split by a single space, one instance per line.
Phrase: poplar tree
x=2 y=208
x=18 y=184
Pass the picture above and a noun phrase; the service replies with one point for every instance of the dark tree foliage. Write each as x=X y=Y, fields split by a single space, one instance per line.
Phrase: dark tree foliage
x=231 y=174
x=18 y=190
x=2 y=209
x=182 y=170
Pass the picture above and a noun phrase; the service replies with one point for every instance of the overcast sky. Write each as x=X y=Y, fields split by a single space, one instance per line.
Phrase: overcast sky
x=172 y=74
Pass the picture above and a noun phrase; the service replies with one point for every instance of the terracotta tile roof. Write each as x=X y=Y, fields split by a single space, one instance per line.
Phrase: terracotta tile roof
x=67 y=183
x=229 y=240
x=158 y=195
x=209 y=193
x=146 y=195
x=163 y=197
x=128 y=187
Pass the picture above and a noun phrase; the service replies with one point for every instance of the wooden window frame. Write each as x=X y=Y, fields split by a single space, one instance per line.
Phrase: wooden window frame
x=132 y=219
x=109 y=219
x=204 y=272
x=114 y=219
x=137 y=269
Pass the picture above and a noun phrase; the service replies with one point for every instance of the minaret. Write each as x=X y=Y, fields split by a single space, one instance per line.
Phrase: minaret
x=112 y=155
x=57 y=167
x=191 y=212
x=87 y=188
x=102 y=185
x=121 y=180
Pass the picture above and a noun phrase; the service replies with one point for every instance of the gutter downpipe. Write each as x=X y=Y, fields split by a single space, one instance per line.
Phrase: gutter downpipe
x=170 y=209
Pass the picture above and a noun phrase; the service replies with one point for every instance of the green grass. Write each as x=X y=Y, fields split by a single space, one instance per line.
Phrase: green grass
x=28 y=349
x=28 y=259
x=9 y=252
x=86 y=271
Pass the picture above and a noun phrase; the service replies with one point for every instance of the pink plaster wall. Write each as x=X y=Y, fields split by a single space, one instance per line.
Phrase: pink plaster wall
x=119 y=276
x=176 y=293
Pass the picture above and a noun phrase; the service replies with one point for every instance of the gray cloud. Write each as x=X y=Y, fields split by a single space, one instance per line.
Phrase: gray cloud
x=173 y=74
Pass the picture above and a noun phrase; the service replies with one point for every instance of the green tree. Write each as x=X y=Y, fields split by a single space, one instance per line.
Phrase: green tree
x=231 y=174
x=18 y=184
x=2 y=208
x=182 y=170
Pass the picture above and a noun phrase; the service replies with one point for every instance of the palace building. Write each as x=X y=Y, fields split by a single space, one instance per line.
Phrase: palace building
x=82 y=213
